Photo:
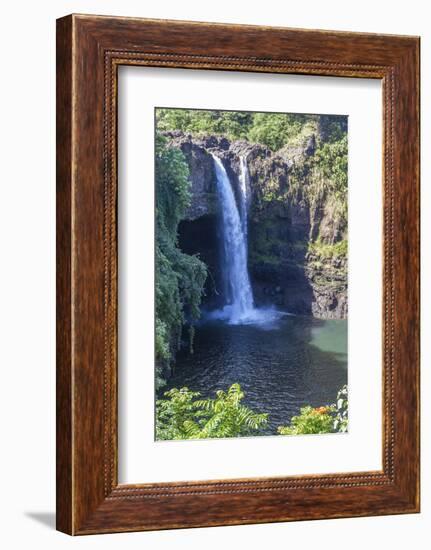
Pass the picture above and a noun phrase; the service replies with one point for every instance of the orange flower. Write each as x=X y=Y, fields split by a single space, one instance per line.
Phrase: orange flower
x=321 y=410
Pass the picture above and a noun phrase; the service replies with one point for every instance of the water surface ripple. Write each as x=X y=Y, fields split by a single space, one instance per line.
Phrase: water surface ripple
x=298 y=361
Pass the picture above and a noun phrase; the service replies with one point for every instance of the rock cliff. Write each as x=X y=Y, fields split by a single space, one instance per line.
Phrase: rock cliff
x=297 y=227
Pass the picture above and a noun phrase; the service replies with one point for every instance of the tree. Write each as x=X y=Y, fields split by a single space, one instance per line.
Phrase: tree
x=271 y=129
x=274 y=129
x=233 y=124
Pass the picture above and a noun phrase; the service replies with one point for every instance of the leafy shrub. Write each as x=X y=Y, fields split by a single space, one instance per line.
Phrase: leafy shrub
x=341 y=411
x=271 y=129
x=329 y=419
x=331 y=159
x=324 y=250
x=310 y=421
x=275 y=129
x=182 y=415
x=180 y=277
x=232 y=124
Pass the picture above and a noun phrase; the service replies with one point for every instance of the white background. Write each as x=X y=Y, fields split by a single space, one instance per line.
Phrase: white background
x=27 y=275
x=141 y=458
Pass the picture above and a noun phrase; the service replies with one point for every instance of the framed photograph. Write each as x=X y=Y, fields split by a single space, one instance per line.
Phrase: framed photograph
x=237 y=274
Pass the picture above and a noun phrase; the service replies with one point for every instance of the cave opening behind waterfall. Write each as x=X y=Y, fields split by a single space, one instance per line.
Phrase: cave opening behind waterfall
x=201 y=236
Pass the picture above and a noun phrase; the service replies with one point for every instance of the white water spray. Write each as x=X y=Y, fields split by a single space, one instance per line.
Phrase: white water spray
x=239 y=304
x=239 y=301
x=244 y=182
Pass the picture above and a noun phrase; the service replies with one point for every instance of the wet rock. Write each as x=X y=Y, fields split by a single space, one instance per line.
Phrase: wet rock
x=283 y=217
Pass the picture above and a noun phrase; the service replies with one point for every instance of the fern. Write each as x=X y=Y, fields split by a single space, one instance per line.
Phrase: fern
x=182 y=415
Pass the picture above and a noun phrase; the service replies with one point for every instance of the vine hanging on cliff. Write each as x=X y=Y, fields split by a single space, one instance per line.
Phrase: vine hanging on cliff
x=180 y=277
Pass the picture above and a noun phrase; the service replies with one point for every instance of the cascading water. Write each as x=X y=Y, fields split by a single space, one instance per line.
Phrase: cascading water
x=239 y=302
x=244 y=181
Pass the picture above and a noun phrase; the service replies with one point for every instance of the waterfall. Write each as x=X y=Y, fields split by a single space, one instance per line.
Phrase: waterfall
x=239 y=300
x=244 y=181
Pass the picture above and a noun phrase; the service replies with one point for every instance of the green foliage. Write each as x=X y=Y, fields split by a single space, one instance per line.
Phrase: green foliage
x=310 y=421
x=171 y=413
x=325 y=251
x=331 y=159
x=271 y=129
x=180 y=278
x=323 y=177
x=232 y=124
x=341 y=411
x=324 y=172
x=276 y=130
x=329 y=419
x=332 y=127
x=182 y=415
x=270 y=192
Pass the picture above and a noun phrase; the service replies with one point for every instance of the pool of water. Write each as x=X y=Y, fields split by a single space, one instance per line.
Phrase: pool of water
x=281 y=366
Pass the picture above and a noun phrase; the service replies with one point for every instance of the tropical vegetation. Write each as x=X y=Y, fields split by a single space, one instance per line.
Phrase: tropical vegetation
x=275 y=130
x=326 y=168
x=319 y=420
x=180 y=277
x=320 y=177
x=183 y=414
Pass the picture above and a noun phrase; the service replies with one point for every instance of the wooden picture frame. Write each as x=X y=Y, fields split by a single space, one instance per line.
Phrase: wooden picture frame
x=89 y=51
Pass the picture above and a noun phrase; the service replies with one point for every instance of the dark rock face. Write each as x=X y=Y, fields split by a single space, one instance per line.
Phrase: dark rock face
x=329 y=285
x=288 y=211
x=202 y=175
